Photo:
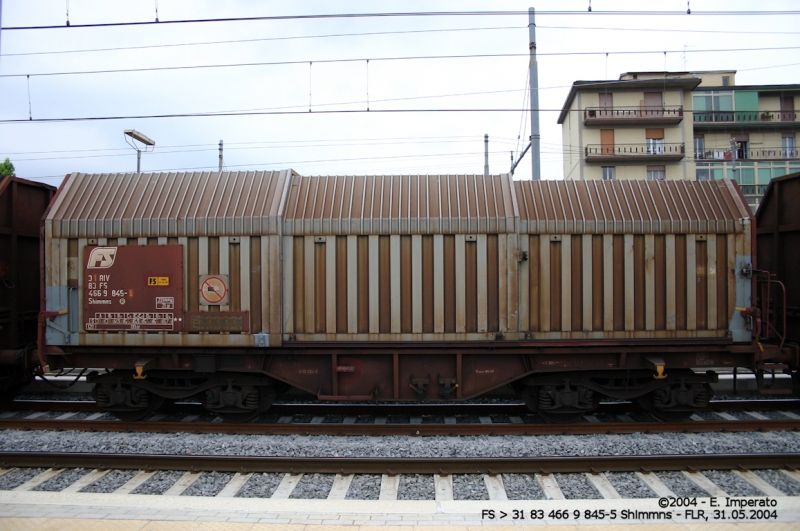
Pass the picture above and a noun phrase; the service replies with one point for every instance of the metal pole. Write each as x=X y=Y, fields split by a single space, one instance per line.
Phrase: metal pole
x=536 y=169
x=486 y=155
x=138 y=161
x=514 y=167
x=220 y=156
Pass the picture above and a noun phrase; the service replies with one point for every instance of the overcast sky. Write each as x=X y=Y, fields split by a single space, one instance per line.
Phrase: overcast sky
x=340 y=143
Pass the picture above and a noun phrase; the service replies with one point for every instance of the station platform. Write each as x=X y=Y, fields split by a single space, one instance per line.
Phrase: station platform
x=45 y=511
x=56 y=524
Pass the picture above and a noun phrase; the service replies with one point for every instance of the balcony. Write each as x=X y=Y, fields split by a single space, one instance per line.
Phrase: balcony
x=716 y=118
x=761 y=153
x=666 y=114
x=634 y=152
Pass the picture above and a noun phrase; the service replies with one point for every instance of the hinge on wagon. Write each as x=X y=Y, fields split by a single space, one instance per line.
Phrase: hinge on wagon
x=420 y=386
x=747 y=270
x=448 y=385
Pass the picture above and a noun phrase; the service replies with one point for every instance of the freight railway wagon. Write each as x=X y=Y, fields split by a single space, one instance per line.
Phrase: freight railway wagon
x=233 y=287
x=22 y=204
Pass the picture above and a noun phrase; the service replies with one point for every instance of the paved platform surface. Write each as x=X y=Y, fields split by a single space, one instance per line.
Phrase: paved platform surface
x=23 y=509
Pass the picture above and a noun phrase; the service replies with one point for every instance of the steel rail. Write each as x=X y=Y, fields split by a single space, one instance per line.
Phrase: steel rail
x=405 y=465
x=361 y=430
x=452 y=408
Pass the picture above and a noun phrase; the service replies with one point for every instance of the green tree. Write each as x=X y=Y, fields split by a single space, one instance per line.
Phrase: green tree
x=6 y=168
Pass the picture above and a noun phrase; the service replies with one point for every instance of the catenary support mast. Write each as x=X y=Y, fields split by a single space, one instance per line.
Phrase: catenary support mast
x=534 y=75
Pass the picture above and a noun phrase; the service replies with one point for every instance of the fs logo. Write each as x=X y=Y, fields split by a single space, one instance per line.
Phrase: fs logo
x=102 y=257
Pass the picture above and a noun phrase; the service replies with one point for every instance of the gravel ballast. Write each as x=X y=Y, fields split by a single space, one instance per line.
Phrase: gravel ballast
x=629 y=485
x=577 y=487
x=780 y=481
x=62 y=480
x=416 y=487
x=313 y=487
x=159 y=483
x=681 y=485
x=14 y=478
x=110 y=482
x=260 y=485
x=365 y=487
x=522 y=487
x=732 y=484
x=469 y=487
x=399 y=446
x=208 y=484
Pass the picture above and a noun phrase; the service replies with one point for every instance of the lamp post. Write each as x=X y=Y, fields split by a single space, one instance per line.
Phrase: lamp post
x=131 y=137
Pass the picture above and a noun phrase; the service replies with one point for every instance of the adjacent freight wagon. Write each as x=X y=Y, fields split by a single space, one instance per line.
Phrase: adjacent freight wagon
x=233 y=287
x=22 y=204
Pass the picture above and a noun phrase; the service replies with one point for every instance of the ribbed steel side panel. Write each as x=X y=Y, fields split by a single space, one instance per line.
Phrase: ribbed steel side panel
x=640 y=207
x=628 y=259
x=129 y=205
x=405 y=204
x=418 y=258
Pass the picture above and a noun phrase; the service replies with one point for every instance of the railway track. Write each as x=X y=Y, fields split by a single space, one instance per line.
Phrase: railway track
x=757 y=475
x=415 y=420
x=611 y=408
x=393 y=466
x=471 y=429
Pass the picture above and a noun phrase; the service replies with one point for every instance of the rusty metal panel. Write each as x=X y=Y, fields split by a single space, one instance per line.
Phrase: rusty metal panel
x=127 y=205
x=131 y=289
x=22 y=204
x=778 y=236
x=405 y=204
x=363 y=280
x=257 y=303
x=428 y=291
x=642 y=207
x=449 y=253
x=234 y=322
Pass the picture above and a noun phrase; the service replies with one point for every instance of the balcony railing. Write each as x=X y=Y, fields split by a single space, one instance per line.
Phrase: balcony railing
x=762 y=153
x=662 y=114
x=630 y=152
x=757 y=117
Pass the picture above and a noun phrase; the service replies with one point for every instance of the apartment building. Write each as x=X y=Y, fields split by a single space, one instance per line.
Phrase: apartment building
x=681 y=125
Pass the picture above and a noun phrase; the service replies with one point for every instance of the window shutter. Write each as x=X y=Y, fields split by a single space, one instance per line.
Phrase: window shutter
x=654 y=133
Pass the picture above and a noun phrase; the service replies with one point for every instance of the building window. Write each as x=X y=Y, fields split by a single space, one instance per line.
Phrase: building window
x=726 y=81
x=700 y=148
x=609 y=173
x=788 y=149
x=654 y=139
x=656 y=173
x=702 y=174
x=713 y=107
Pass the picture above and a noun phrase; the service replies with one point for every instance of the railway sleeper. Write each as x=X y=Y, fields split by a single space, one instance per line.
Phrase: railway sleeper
x=235 y=397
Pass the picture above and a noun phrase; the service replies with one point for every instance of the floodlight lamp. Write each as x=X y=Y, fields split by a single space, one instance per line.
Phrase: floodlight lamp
x=131 y=137
x=136 y=135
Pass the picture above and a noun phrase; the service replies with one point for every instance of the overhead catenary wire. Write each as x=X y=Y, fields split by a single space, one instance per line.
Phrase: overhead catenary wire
x=399 y=58
x=400 y=32
x=279 y=113
x=228 y=148
x=409 y=14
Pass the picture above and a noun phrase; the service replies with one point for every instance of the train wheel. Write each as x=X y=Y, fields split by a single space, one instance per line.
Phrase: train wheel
x=125 y=403
x=667 y=415
x=542 y=399
x=237 y=404
x=676 y=403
